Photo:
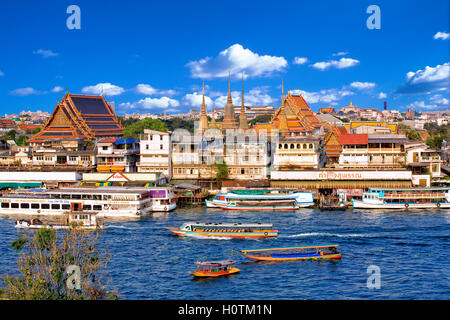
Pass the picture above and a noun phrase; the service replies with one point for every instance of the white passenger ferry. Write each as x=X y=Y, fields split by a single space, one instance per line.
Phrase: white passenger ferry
x=106 y=201
x=404 y=198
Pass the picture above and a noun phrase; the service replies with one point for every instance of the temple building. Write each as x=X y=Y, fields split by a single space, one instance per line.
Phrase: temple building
x=333 y=146
x=75 y=120
x=293 y=118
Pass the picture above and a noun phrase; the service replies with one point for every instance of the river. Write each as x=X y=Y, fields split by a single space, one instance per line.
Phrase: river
x=409 y=248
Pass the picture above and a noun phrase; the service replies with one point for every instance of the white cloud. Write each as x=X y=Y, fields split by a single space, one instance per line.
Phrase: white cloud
x=104 y=89
x=324 y=96
x=257 y=96
x=1 y=73
x=57 y=89
x=151 y=103
x=428 y=80
x=420 y=105
x=442 y=35
x=338 y=54
x=300 y=60
x=440 y=100
x=24 y=92
x=338 y=64
x=45 y=53
x=145 y=89
x=236 y=60
x=362 y=85
x=195 y=100
x=148 y=90
x=382 y=95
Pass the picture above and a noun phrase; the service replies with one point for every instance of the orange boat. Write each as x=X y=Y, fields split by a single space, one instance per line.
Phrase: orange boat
x=215 y=268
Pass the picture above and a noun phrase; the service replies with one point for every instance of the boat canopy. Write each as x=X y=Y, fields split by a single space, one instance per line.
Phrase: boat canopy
x=215 y=263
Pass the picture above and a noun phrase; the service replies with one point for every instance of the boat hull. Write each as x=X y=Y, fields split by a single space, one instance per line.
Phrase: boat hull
x=182 y=233
x=293 y=258
x=215 y=274
x=272 y=208
x=402 y=206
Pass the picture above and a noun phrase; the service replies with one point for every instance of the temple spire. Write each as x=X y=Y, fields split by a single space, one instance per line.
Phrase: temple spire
x=243 y=123
x=229 y=121
x=203 y=123
x=229 y=100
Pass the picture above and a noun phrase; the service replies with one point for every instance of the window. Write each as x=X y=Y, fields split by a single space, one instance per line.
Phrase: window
x=292 y=146
x=24 y=206
x=65 y=207
x=14 y=205
x=280 y=146
x=39 y=158
x=72 y=158
x=55 y=206
x=45 y=206
x=5 y=205
x=104 y=148
x=310 y=146
x=87 y=207
x=146 y=147
x=48 y=158
x=97 y=208
x=161 y=147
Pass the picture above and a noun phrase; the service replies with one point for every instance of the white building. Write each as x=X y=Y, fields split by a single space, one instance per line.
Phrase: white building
x=155 y=153
x=298 y=152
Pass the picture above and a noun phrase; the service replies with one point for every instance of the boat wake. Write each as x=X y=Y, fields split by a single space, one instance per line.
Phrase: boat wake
x=327 y=234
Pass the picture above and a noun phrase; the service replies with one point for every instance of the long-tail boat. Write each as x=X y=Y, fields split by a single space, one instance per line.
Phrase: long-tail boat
x=214 y=268
x=228 y=230
x=293 y=253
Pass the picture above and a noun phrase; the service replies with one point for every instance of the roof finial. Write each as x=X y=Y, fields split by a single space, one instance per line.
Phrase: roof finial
x=229 y=88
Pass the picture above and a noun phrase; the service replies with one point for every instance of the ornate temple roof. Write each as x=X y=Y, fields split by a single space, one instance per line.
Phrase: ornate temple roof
x=80 y=117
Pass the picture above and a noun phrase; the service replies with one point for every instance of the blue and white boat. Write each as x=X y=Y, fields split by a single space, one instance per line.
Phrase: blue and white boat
x=419 y=198
x=267 y=201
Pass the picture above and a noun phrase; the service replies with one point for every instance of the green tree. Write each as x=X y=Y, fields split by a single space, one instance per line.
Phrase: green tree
x=43 y=263
x=22 y=140
x=222 y=172
x=135 y=130
x=265 y=118
x=10 y=135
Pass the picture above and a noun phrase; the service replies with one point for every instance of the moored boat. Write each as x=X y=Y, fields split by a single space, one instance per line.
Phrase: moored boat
x=215 y=268
x=266 y=201
x=80 y=220
x=106 y=201
x=420 y=198
x=231 y=230
x=293 y=253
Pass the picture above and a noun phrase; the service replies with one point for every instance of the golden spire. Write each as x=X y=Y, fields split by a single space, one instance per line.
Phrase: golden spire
x=203 y=123
x=229 y=121
x=203 y=107
x=243 y=123
x=283 y=125
x=229 y=89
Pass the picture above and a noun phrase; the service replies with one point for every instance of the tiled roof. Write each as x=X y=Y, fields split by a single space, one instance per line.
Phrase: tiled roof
x=353 y=139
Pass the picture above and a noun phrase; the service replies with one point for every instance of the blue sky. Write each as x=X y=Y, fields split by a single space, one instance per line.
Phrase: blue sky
x=152 y=56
